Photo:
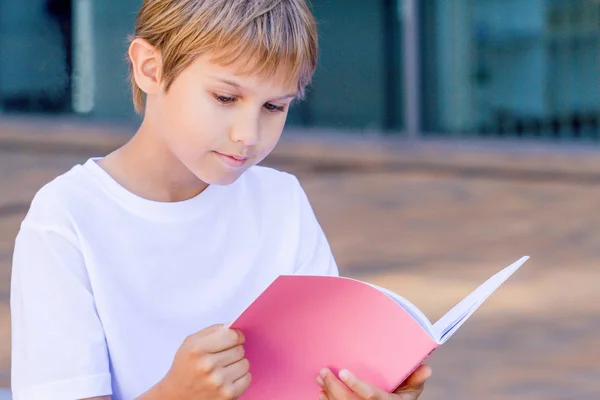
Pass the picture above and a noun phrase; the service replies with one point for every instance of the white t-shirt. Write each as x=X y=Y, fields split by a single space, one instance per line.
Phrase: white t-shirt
x=106 y=285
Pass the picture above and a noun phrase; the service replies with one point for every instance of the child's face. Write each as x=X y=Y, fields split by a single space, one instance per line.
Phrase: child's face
x=219 y=123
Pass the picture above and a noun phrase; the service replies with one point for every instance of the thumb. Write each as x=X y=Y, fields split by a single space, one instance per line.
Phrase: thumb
x=361 y=388
x=211 y=329
x=416 y=380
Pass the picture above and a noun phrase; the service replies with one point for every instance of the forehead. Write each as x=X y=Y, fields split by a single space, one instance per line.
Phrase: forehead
x=246 y=73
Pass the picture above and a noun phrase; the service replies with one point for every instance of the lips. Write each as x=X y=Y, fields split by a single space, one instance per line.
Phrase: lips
x=233 y=160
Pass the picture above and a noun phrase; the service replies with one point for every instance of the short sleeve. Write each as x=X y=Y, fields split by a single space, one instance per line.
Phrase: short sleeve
x=314 y=256
x=58 y=345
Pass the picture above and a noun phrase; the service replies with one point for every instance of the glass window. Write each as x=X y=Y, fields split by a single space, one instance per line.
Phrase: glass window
x=525 y=68
x=69 y=56
x=35 y=46
x=358 y=83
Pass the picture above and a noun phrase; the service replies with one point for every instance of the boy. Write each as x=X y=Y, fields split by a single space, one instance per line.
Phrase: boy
x=126 y=267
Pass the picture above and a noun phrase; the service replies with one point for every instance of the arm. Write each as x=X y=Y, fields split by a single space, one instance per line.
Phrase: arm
x=314 y=255
x=58 y=344
x=59 y=348
x=49 y=278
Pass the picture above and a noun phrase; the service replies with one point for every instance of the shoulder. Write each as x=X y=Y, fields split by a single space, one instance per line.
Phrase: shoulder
x=52 y=204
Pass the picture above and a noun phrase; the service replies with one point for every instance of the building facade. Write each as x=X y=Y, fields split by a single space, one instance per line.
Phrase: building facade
x=515 y=68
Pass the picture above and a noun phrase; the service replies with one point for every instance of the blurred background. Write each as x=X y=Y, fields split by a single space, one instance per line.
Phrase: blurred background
x=441 y=140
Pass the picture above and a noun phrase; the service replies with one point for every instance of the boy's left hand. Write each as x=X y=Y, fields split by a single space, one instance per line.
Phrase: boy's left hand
x=352 y=388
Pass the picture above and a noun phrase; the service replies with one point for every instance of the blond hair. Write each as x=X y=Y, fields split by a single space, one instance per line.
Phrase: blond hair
x=269 y=33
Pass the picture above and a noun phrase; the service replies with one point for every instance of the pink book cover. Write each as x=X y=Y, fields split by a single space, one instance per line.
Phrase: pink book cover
x=301 y=324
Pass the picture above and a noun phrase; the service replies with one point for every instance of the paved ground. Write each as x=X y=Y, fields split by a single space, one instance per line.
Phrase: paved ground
x=430 y=222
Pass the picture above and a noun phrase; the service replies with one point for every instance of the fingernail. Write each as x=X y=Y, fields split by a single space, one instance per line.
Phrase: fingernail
x=323 y=373
x=320 y=381
x=346 y=375
x=322 y=396
x=429 y=372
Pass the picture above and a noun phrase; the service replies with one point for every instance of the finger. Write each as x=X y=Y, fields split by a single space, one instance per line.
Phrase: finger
x=223 y=377
x=333 y=387
x=412 y=387
x=220 y=340
x=238 y=387
x=323 y=396
x=210 y=329
x=225 y=358
x=361 y=388
x=416 y=380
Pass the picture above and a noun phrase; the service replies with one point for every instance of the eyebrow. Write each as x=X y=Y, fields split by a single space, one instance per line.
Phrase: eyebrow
x=239 y=87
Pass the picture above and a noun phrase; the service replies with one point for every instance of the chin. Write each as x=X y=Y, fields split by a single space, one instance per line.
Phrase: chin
x=222 y=179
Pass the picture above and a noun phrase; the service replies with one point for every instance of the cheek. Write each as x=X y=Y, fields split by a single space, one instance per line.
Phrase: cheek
x=185 y=109
x=193 y=122
x=272 y=129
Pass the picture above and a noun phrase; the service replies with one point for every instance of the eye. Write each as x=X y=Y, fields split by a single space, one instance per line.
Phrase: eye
x=225 y=99
x=273 y=108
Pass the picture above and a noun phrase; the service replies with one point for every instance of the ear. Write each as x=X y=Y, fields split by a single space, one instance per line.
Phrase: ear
x=146 y=64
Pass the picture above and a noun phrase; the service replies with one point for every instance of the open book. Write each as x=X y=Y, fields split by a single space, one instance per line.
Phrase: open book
x=301 y=324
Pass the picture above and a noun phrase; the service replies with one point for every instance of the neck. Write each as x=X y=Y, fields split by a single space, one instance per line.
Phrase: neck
x=146 y=167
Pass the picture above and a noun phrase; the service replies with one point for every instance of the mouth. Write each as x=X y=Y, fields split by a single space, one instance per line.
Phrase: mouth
x=233 y=160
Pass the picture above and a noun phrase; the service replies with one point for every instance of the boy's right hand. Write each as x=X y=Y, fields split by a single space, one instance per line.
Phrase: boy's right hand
x=209 y=365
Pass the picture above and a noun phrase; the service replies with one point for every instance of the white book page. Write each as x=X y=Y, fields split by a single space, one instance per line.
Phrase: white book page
x=445 y=327
x=414 y=312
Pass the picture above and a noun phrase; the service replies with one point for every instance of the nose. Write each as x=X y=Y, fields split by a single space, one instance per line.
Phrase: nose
x=246 y=131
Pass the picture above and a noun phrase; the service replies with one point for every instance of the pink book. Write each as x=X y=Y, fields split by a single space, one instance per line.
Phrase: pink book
x=301 y=324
